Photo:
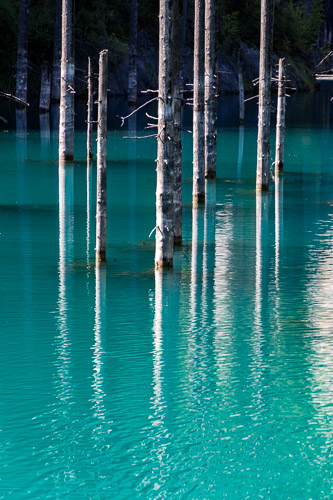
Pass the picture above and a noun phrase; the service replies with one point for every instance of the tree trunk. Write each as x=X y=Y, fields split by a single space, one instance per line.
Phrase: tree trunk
x=265 y=71
x=90 y=105
x=101 y=157
x=182 y=45
x=164 y=236
x=132 y=70
x=66 y=122
x=198 y=192
x=44 y=98
x=241 y=92
x=177 y=201
x=22 y=52
x=55 y=84
x=280 y=119
x=210 y=88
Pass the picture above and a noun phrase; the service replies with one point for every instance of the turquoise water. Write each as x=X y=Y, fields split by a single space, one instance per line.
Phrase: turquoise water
x=214 y=380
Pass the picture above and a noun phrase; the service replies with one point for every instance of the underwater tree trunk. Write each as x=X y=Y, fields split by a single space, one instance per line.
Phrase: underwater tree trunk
x=198 y=192
x=55 y=83
x=101 y=157
x=264 y=113
x=210 y=89
x=90 y=105
x=66 y=119
x=22 y=52
x=164 y=235
x=132 y=70
x=280 y=119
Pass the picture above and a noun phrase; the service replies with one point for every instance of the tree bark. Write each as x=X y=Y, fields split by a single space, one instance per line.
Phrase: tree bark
x=164 y=235
x=241 y=92
x=90 y=105
x=133 y=48
x=55 y=83
x=66 y=122
x=101 y=158
x=280 y=119
x=182 y=44
x=265 y=72
x=44 y=98
x=177 y=201
x=198 y=192
x=22 y=52
x=210 y=88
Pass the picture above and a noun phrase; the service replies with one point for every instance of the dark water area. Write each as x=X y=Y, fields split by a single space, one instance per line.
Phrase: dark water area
x=213 y=380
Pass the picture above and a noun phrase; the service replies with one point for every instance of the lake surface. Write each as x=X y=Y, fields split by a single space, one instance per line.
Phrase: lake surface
x=213 y=380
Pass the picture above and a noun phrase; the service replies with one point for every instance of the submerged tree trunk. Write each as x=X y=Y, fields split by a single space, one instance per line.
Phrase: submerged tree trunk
x=133 y=48
x=90 y=105
x=210 y=89
x=101 y=157
x=66 y=123
x=165 y=150
x=22 y=52
x=55 y=84
x=280 y=119
x=198 y=192
x=265 y=72
x=44 y=98
x=177 y=201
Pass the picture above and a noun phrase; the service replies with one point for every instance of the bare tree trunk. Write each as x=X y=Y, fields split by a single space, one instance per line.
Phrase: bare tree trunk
x=44 y=98
x=66 y=122
x=177 y=201
x=182 y=45
x=265 y=72
x=280 y=119
x=55 y=84
x=198 y=192
x=210 y=88
x=22 y=52
x=101 y=157
x=165 y=150
x=132 y=73
x=241 y=92
x=90 y=105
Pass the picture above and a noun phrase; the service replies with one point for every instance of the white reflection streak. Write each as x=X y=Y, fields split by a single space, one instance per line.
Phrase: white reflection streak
x=97 y=386
x=194 y=265
x=258 y=283
x=158 y=341
x=65 y=249
x=240 y=151
x=278 y=229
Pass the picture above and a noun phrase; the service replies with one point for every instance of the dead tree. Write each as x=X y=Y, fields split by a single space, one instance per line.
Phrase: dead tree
x=45 y=89
x=210 y=89
x=177 y=201
x=133 y=48
x=280 y=119
x=265 y=72
x=164 y=236
x=101 y=157
x=198 y=191
x=66 y=119
x=90 y=105
x=22 y=52
x=55 y=81
x=241 y=92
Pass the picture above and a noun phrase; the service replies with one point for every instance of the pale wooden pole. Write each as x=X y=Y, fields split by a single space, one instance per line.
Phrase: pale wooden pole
x=101 y=158
x=210 y=89
x=177 y=200
x=280 y=119
x=198 y=191
x=264 y=112
x=164 y=235
x=90 y=105
x=66 y=117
